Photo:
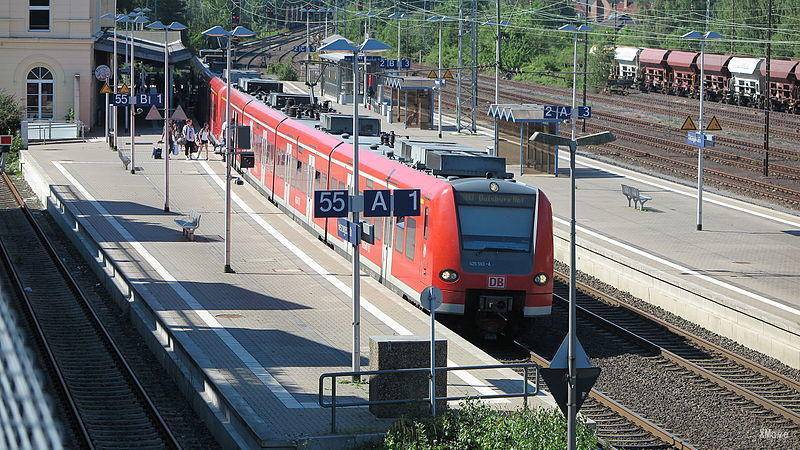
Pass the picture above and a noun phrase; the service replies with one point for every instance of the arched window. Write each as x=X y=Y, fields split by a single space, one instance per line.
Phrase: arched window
x=40 y=94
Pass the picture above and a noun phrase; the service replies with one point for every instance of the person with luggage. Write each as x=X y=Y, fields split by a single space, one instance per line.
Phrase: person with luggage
x=189 y=135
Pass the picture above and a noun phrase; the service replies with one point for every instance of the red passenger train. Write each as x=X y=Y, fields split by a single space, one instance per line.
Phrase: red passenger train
x=487 y=243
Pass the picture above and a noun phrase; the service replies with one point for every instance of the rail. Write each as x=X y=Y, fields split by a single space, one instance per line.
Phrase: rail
x=333 y=404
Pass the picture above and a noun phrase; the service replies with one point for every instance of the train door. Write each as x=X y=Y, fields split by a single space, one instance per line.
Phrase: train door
x=287 y=174
x=265 y=157
x=386 y=251
x=310 y=179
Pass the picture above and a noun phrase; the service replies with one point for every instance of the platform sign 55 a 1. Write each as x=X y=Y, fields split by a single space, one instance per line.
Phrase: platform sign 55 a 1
x=333 y=203
x=398 y=203
x=138 y=99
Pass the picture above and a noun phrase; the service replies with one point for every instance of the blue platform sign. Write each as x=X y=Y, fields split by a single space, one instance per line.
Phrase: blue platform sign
x=564 y=112
x=302 y=48
x=406 y=202
x=138 y=99
x=347 y=230
x=332 y=203
x=699 y=139
x=404 y=63
x=377 y=203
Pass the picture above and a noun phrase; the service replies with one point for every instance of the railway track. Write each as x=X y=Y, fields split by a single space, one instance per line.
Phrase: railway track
x=106 y=403
x=753 y=389
x=617 y=425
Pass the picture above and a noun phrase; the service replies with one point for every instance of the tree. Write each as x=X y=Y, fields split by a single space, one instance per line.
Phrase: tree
x=10 y=113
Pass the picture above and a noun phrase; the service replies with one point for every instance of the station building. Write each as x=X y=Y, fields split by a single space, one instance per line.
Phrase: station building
x=47 y=56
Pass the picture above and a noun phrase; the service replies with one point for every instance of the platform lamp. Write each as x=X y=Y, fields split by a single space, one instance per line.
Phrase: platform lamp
x=367 y=28
x=174 y=26
x=137 y=18
x=573 y=143
x=117 y=19
x=702 y=37
x=343 y=45
x=239 y=32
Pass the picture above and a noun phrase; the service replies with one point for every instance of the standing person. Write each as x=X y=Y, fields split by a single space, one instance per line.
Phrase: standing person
x=205 y=134
x=189 y=135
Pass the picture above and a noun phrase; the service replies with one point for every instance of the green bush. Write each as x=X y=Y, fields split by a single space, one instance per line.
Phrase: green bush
x=283 y=71
x=478 y=426
x=10 y=113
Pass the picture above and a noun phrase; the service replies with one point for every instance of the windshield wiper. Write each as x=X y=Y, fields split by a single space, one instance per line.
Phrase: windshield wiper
x=497 y=249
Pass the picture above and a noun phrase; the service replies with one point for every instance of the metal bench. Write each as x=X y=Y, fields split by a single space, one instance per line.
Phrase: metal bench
x=126 y=160
x=633 y=194
x=189 y=224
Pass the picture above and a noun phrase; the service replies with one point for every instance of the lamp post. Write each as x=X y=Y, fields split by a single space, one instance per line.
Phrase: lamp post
x=498 y=23
x=237 y=33
x=135 y=19
x=174 y=26
x=397 y=15
x=439 y=80
x=703 y=37
x=345 y=46
x=113 y=125
x=573 y=142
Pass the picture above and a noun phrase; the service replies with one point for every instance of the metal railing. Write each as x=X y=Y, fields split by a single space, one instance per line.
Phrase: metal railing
x=334 y=403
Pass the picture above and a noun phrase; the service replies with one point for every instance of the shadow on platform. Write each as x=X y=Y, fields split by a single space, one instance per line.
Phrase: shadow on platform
x=587 y=172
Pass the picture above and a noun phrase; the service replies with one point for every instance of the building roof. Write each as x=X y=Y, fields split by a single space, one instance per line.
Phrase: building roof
x=743 y=66
x=682 y=60
x=653 y=56
x=779 y=69
x=715 y=63
x=626 y=53
x=517 y=113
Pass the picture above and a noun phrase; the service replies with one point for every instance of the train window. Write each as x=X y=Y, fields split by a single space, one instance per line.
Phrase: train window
x=425 y=224
x=399 y=235
x=411 y=235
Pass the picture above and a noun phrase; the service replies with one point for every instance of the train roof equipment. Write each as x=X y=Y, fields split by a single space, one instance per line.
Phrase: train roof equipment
x=237 y=74
x=254 y=86
x=335 y=123
x=464 y=163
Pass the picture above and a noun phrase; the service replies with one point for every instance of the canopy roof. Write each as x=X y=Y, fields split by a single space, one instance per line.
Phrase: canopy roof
x=528 y=112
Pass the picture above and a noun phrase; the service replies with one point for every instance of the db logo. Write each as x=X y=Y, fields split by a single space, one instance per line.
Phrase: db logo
x=496 y=283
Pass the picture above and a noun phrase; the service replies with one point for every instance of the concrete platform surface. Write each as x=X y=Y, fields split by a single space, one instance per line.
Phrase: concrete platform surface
x=260 y=337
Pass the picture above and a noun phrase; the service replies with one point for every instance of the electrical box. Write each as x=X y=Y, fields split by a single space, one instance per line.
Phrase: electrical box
x=247 y=160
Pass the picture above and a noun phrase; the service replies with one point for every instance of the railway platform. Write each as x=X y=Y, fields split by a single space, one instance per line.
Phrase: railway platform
x=738 y=278
x=247 y=348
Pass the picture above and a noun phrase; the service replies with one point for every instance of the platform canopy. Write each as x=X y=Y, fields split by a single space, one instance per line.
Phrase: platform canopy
x=519 y=113
x=410 y=83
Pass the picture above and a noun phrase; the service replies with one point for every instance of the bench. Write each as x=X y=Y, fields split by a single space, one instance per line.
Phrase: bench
x=633 y=194
x=126 y=160
x=189 y=224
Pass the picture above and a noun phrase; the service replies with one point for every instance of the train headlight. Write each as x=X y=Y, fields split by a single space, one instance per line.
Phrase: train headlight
x=448 y=275
x=540 y=279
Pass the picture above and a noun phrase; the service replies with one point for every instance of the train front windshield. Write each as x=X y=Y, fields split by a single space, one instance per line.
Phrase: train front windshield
x=496 y=222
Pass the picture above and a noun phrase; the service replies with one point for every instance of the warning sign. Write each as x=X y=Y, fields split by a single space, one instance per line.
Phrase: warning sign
x=714 y=125
x=124 y=89
x=153 y=114
x=178 y=114
x=432 y=74
x=106 y=89
x=448 y=75
x=688 y=124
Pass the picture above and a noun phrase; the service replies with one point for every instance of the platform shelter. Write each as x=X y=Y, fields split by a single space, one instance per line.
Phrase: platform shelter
x=516 y=124
x=410 y=100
